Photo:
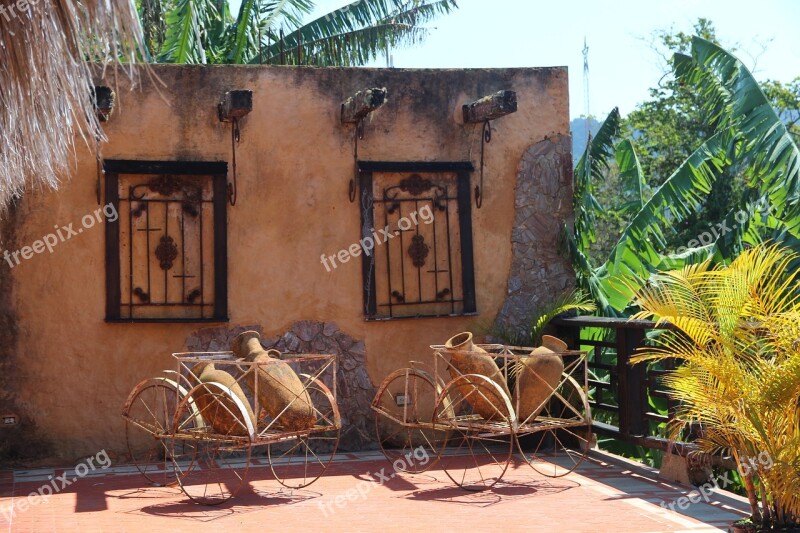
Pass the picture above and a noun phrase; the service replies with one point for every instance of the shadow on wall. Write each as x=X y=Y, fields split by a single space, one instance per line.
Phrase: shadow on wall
x=19 y=441
x=354 y=388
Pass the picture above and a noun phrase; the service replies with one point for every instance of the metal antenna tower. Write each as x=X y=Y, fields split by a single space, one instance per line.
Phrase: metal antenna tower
x=586 y=92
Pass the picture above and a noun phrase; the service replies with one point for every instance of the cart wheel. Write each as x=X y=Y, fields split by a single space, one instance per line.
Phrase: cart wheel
x=403 y=420
x=149 y=412
x=220 y=455
x=479 y=449
x=300 y=458
x=567 y=435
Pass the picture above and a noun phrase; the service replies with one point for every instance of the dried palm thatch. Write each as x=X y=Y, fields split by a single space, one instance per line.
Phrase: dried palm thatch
x=46 y=79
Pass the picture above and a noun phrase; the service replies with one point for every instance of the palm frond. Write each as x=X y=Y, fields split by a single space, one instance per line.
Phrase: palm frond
x=738 y=334
x=256 y=19
x=354 y=34
x=354 y=48
x=44 y=84
x=574 y=300
x=188 y=27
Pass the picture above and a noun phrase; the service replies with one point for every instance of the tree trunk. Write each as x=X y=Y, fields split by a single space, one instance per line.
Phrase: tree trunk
x=751 y=495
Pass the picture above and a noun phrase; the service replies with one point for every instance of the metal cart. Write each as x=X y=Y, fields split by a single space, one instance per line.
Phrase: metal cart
x=430 y=412
x=201 y=436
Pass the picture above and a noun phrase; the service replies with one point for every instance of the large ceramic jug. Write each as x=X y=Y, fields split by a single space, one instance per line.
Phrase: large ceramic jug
x=280 y=391
x=218 y=410
x=538 y=376
x=466 y=358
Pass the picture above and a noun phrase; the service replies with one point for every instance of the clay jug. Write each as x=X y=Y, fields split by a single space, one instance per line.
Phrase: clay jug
x=538 y=376
x=224 y=418
x=280 y=391
x=466 y=358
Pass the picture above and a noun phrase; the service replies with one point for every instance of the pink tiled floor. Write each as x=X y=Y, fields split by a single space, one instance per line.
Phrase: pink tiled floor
x=605 y=494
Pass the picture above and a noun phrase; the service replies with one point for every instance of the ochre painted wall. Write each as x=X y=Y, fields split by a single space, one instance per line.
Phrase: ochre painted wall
x=74 y=370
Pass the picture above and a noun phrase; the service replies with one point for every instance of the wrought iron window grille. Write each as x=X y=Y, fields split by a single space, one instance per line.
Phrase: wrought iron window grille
x=166 y=253
x=424 y=266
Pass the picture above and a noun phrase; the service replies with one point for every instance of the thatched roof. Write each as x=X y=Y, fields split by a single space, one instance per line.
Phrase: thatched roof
x=45 y=96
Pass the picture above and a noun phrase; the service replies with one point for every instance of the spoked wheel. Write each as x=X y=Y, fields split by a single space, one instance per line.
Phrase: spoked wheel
x=566 y=437
x=300 y=458
x=220 y=447
x=403 y=420
x=480 y=423
x=149 y=413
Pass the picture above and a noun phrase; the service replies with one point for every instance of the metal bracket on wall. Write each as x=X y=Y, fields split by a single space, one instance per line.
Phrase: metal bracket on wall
x=355 y=110
x=98 y=186
x=233 y=106
x=484 y=110
x=104 y=98
x=358 y=134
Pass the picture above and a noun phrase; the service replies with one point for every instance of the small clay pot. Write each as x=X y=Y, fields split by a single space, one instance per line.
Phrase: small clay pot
x=466 y=358
x=280 y=391
x=538 y=376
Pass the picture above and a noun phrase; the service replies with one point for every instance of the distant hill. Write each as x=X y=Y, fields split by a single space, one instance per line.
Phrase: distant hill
x=578 y=129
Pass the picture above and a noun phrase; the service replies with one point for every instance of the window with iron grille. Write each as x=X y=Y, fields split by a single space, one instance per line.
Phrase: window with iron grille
x=417 y=219
x=166 y=254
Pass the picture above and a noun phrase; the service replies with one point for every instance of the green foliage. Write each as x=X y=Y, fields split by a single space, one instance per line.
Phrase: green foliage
x=746 y=137
x=572 y=300
x=151 y=13
x=355 y=34
x=722 y=153
x=590 y=170
x=786 y=99
x=669 y=127
x=737 y=333
x=621 y=193
x=275 y=31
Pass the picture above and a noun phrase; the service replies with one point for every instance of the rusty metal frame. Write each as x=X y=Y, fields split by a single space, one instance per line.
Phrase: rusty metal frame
x=320 y=368
x=265 y=432
x=575 y=366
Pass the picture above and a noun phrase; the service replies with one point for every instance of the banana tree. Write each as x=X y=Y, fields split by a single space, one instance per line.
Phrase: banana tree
x=276 y=31
x=748 y=136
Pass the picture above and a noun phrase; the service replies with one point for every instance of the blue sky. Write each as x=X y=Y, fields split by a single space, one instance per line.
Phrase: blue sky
x=622 y=63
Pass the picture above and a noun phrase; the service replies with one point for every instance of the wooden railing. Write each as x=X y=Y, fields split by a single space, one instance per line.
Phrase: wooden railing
x=620 y=390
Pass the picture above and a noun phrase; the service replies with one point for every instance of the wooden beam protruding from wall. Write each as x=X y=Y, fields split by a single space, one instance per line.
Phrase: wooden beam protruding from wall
x=490 y=107
x=361 y=104
x=104 y=99
x=235 y=105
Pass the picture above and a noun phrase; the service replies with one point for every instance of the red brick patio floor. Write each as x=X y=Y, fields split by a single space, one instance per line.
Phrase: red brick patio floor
x=606 y=493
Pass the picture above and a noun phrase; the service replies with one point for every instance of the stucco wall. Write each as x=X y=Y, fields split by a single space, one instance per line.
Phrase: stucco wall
x=73 y=370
